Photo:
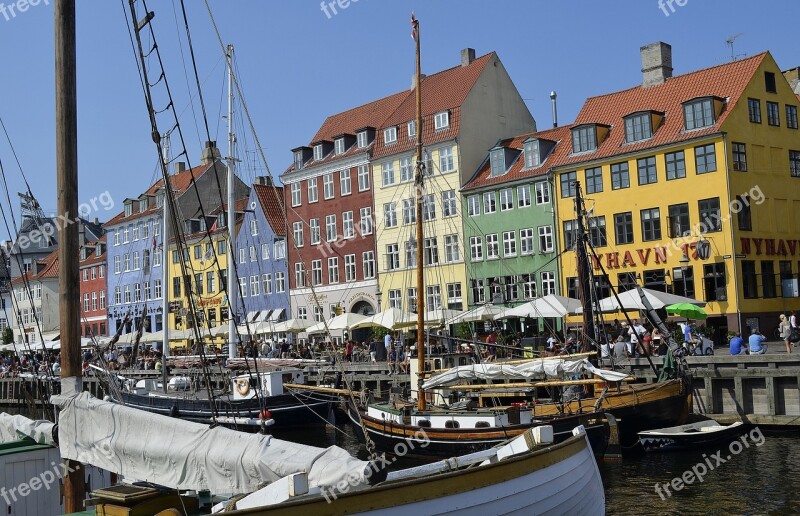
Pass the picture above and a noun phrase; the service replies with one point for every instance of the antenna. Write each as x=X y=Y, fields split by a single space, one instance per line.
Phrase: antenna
x=730 y=41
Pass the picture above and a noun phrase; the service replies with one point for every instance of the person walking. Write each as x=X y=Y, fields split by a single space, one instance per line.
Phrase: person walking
x=785 y=329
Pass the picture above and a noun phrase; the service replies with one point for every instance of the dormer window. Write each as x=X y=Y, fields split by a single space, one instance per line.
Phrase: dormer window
x=318 y=152
x=159 y=200
x=339 y=144
x=128 y=208
x=638 y=127
x=222 y=220
x=584 y=138
x=497 y=158
x=298 y=160
x=390 y=135
x=362 y=139
x=412 y=128
x=698 y=113
x=144 y=204
x=532 y=156
x=441 y=120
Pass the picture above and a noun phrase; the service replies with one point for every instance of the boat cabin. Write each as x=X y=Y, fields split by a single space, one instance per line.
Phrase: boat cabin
x=269 y=383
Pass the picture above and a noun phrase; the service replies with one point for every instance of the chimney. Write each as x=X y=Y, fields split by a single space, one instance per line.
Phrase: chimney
x=180 y=166
x=210 y=153
x=467 y=56
x=555 y=108
x=414 y=79
x=264 y=180
x=656 y=63
x=793 y=76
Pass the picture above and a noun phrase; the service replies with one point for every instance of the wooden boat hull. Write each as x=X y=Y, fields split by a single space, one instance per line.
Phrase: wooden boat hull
x=559 y=479
x=288 y=410
x=448 y=442
x=661 y=441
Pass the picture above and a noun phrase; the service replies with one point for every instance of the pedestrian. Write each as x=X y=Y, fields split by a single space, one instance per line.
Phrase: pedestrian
x=619 y=348
x=373 y=348
x=785 y=327
x=348 y=351
x=738 y=347
x=793 y=321
x=756 y=343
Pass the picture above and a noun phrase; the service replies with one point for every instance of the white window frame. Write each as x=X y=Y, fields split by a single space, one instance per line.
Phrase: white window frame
x=296 y=194
x=390 y=135
x=548 y=282
x=492 y=246
x=253 y=227
x=412 y=129
x=348 y=225
x=441 y=120
x=333 y=270
x=387 y=173
x=523 y=196
x=509 y=244
x=316 y=273
x=315 y=235
x=330 y=228
x=338 y=144
x=489 y=207
x=318 y=152
x=451 y=252
x=406 y=170
x=297 y=232
x=447 y=161
x=265 y=250
x=390 y=215
x=449 y=204
x=546 y=233
x=476 y=248
x=362 y=139
x=368 y=264
x=350 y=267
x=345 y=186
x=365 y=221
x=363 y=178
x=526 y=241
x=474 y=205
x=313 y=193
x=542 y=193
x=280 y=282
x=506 y=204
x=327 y=186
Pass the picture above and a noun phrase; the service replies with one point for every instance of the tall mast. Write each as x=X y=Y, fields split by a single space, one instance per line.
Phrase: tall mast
x=232 y=337
x=584 y=271
x=420 y=189
x=67 y=185
x=164 y=265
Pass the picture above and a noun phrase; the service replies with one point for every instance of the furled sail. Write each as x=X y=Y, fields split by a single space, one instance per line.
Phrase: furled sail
x=13 y=428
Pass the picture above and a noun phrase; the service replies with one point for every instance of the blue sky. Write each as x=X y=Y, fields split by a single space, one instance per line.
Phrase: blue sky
x=298 y=65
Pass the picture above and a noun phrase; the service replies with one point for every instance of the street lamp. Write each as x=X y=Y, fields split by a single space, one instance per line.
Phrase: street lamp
x=378 y=295
x=684 y=261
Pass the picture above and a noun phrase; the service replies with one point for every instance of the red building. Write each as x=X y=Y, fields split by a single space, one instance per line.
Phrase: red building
x=94 y=313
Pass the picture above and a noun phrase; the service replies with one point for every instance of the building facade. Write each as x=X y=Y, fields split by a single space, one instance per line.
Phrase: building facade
x=36 y=298
x=94 y=314
x=465 y=110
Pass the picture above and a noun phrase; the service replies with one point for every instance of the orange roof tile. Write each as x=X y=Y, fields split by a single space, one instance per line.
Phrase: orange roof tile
x=271 y=200
x=50 y=270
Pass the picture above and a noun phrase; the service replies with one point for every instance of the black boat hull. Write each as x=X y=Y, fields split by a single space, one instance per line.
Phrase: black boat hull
x=691 y=441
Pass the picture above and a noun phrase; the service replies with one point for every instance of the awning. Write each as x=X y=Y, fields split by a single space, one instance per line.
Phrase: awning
x=276 y=314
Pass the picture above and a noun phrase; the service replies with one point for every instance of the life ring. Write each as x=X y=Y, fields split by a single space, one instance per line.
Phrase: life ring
x=264 y=415
x=243 y=386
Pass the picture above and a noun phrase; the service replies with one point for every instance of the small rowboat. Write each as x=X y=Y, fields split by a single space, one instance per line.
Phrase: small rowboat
x=690 y=436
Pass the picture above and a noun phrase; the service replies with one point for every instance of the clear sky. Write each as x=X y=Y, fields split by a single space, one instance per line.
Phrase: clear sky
x=298 y=65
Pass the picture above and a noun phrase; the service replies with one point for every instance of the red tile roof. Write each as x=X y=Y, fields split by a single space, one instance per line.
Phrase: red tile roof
x=271 y=200
x=50 y=270
x=371 y=114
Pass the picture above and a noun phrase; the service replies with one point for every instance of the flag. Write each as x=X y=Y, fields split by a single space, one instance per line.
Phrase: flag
x=414 y=23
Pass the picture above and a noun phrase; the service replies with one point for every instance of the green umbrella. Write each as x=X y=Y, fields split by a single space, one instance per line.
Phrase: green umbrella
x=687 y=310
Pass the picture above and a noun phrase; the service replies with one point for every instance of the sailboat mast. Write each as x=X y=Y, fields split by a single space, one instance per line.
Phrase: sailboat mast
x=420 y=189
x=584 y=272
x=232 y=337
x=164 y=267
x=67 y=185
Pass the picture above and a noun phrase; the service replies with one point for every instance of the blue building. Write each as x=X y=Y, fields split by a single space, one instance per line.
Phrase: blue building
x=262 y=266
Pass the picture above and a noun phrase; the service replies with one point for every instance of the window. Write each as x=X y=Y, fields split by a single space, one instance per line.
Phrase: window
x=411 y=296
x=406 y=170
x=446 y=160
x=545 y=239
x=390 y=135
x=102 y=268
x=265 y=247
x=412 y=128
x=430 y=252
x=676 y=165
x=428 y=207
x=344 y=182
x=279 y=249
x=743 y=215
x=597 y=231
x=242 y=256
x=350 y=267
x=136 y=230
x=117 y=260
x=316 y=272
x=698 y=114
x=794 y=163
x=392 y=257
x=318 y=152
x=449 y=207
x=128 y=292
x=476 y=248
x=509 y=243
x=492 y=249
x=749 y=279
x=368 y=259
x=524 y=195
x=411 y=253
x=327 y=186
x=116 y=237
x=768 y=278
x=254 y=286
x=619 y=176
x=548 y=283
x=497 y=162
x=710 y=217
x=739 y=157
x=791 y=116
x=395 y=298
x=363 y=178
x=103 y=298
x=714 y=281
x=297 y=230
x=705 y=158
x=333 y=270
x=362 y=138
x=211 y=282
x=489 y=202
x=584 y=139
x=313 y=229
x=266 y=282
x=312 y=190
x=390 y=215
x=451 y=252
x=222 y=248
x=280 y=282
x=434 y=298
x=542 y=193
x=568 y=184
x=773 y=114
x=387 y=172
x=526 y=241
x=531 y=152
x=299 y=275
x=754 y=110
x=198 y=255
x=318 y=314
x=506 y=199
x=647 y=170
x=478 y=291
x=146 y=230
x=118 y=295
x=623 y=228
x=253 y=255
x=127 y=261
x=86 y=301
x=473 y=205
x=679 y=224
x=769 y=82
x=366 y=221
x=330 y=228
x=651 y=224
x=570 y=233
x=454 y=298
x=348 y=225
x=594 y=180
x=637 y=127
x=338 y=144
x=125 y=233
x=441 y=120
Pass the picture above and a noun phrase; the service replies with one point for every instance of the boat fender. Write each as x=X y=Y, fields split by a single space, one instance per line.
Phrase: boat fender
x=173 y=412
x=376 y=471
x=54 y=434
x=264 y=415
x=243 y=386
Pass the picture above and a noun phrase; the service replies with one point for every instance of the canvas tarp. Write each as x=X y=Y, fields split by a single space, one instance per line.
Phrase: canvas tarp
x=13 y=428
x=184 y=455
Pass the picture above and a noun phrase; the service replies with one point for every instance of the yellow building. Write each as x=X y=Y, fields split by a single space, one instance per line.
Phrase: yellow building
x=466 y=109
x=692 y=187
